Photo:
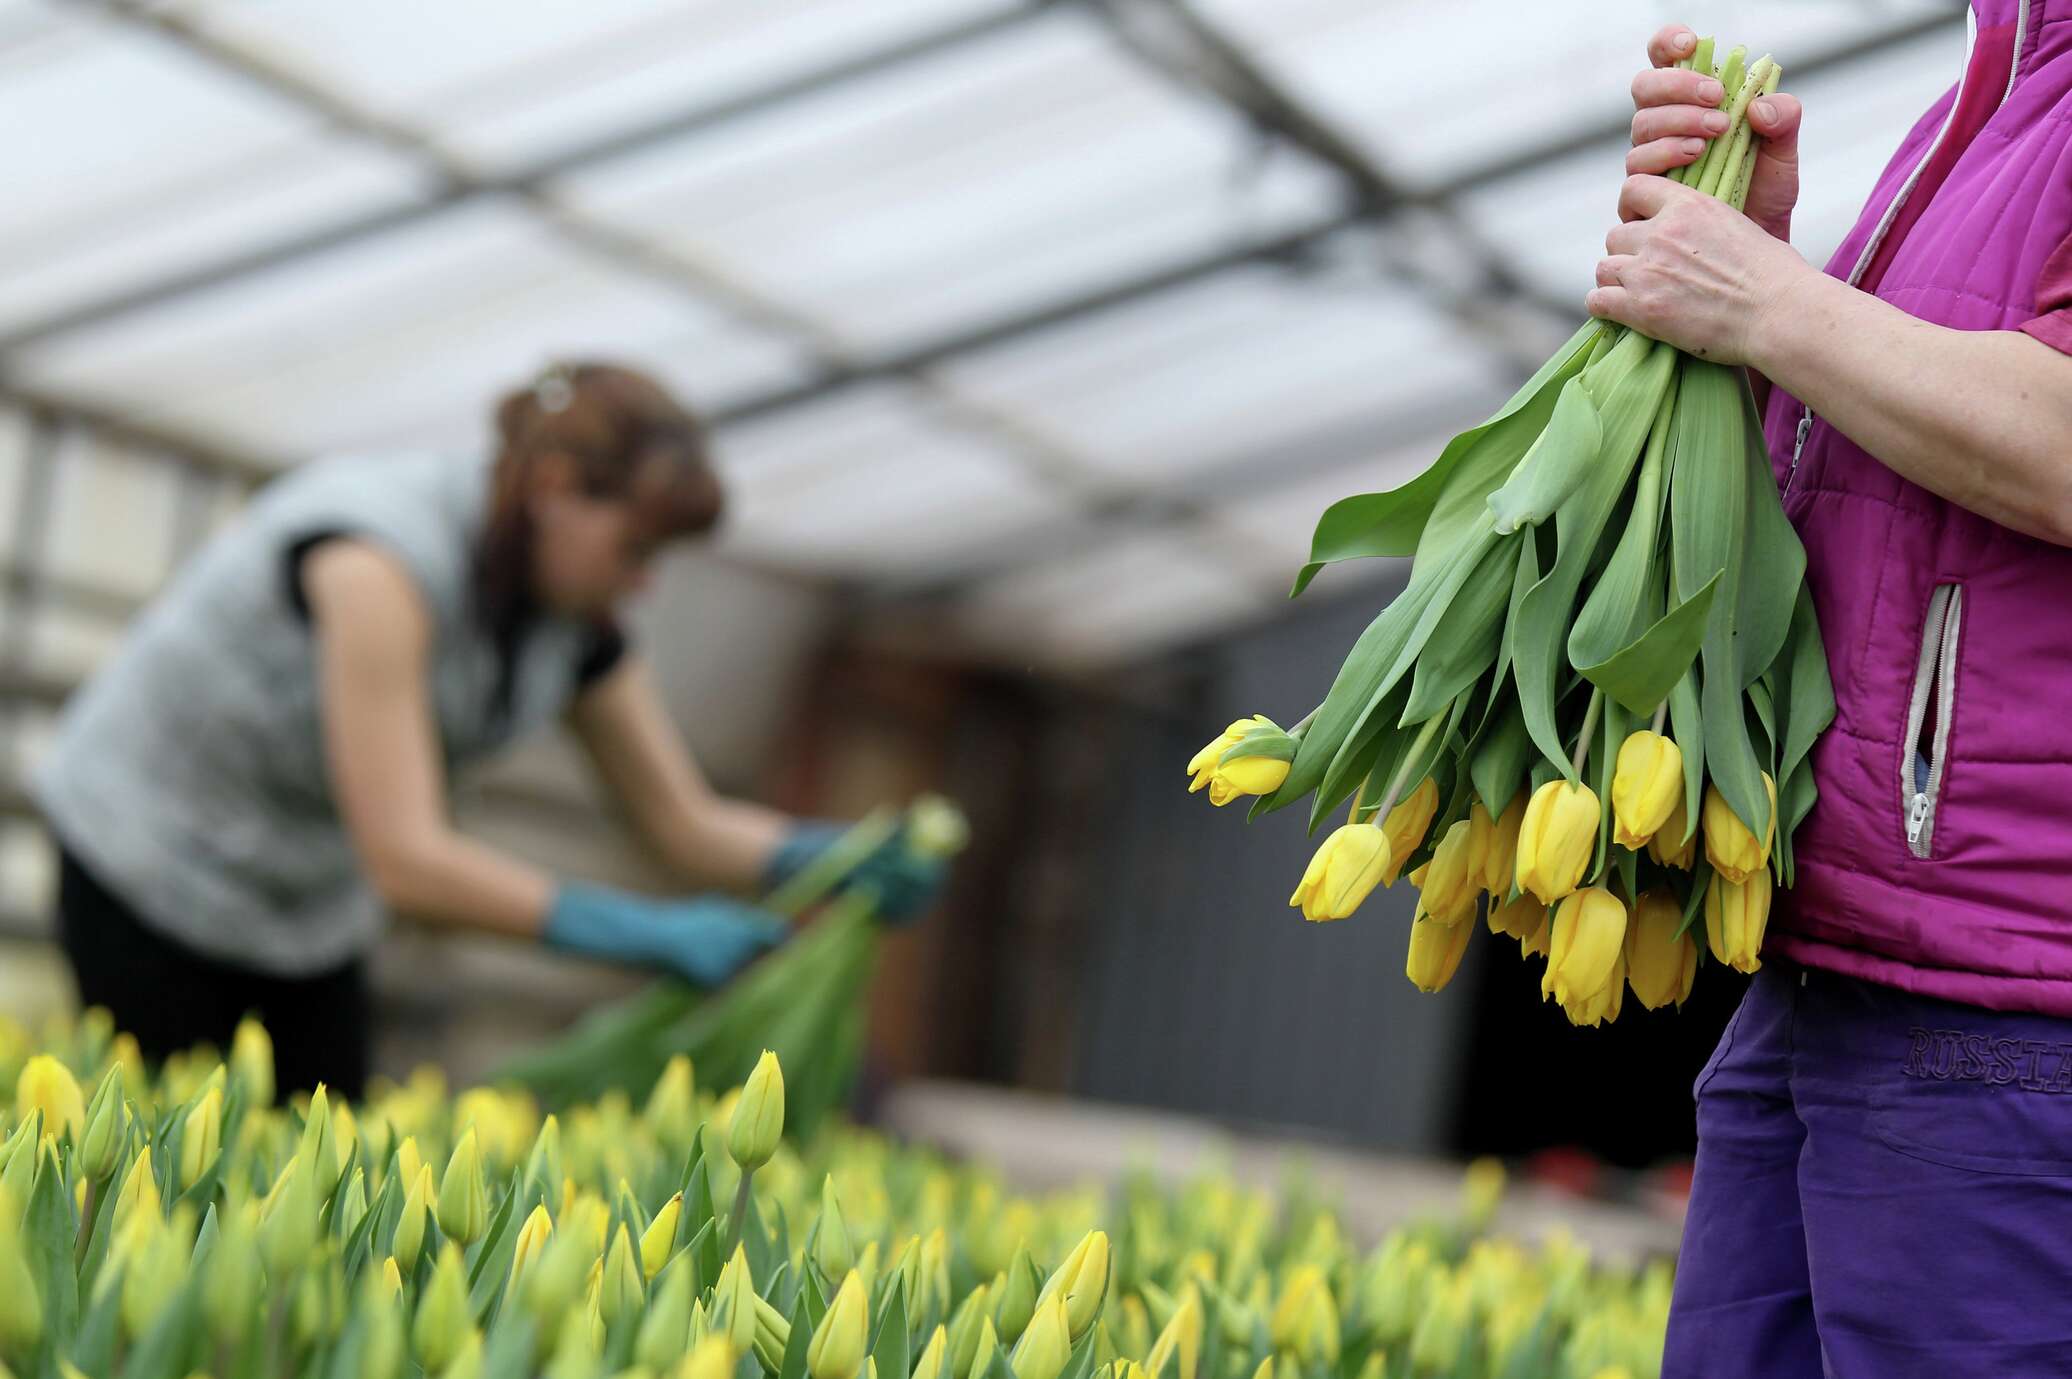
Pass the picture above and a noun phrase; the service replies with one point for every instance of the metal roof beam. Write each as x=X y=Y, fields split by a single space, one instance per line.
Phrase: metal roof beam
x=458 y=188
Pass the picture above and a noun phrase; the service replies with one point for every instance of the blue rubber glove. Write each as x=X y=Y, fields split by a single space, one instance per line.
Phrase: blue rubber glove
x=704 y=939
x=906 y=884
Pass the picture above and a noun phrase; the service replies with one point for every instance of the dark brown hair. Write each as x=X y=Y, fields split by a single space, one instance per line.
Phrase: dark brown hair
x=626 y=437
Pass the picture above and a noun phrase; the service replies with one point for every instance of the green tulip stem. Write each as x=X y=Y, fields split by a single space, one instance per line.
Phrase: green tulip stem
x=86 y=1223
x=1418 y=748
x=1661 y=717
x=1589 y=730
x=827 y=871
x=738 y=1222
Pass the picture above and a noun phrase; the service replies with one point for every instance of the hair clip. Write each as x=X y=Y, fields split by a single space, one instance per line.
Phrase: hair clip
x=555 y=390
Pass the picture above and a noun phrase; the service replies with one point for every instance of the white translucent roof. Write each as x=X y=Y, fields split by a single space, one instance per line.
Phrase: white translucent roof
x=996 y=303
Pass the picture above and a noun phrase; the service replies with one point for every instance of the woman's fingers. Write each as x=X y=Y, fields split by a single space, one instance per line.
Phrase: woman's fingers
x=1611 y=268
x=1675 y=86
x=1663 y=121
x=1776 y=118
x=1626 y=237
x=1663 y=156
x=1671 y=44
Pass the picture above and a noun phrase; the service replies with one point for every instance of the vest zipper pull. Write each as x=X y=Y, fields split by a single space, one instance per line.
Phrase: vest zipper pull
x=1917 y=817
x=1798 y=447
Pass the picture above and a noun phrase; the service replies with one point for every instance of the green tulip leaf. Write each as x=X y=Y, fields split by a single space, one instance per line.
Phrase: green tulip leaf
x=1640 y=675
x=1556 y=464
x=1393 y=523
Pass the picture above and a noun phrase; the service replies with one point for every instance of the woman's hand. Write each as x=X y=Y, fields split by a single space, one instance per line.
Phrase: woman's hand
x=704 y=939
x=904 y=882
x=1686 y=268
x=1674 y=117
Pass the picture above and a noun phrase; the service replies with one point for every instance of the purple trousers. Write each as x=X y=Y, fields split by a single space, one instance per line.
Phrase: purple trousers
x=1883 y=1190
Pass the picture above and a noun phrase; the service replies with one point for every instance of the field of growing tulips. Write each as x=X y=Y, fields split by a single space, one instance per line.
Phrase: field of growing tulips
x=183 y=1225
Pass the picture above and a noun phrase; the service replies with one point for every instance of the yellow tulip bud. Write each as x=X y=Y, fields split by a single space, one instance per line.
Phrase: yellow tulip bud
x=623 y=1291
x=1202 y=768
x=934 y=1356
x=1455 y=877
x=1305 y=1320
x=1015 y=1300
x=201 y=1135
x=382 y=1339
x=1247 y=775
x=463 y=1209
x=837 y=1348
x=1481 y=1189
x=1647 y=781
x=710 y=1358
x=251 y=1061
x=1435 y=951
x=1519 y=918
x=936 y=828
x=1674 y=845
x=443 y=1316
x=409 y=1235
x=392 y=1277
x=1180 y=1342
x=733 y=1300
x=1735 y=918
x=156 y=1267
x=48 y=1086
x=1603 y=1004
x=1557 y=839
x=288 y=1231
x=1407 y=825
x=658 y=1241
x=758 y=1122
x=935 y=1271
x=972 y=1315
x=1082 y=1281
x=987 y=1347
x=107 y=1125
x=1045 y=1346
x=671 y=1111
x=139 y=1189
x=665 y=1327
x=1500 y=862
x=831 y=1248
x=1589 y=941
x=1730 y=845
x=319 y=1147
x=230 y=1280
x=532 y=1238
x=408 y=1160
x=1441 y=1334
x=543 y=1161
x=1344 y=871
x=1661 y=964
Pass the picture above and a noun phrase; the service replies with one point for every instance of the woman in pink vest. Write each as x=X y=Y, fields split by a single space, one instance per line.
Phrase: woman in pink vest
x=1884 y=1182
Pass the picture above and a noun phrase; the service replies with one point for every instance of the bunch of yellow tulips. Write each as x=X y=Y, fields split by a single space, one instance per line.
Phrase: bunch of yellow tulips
x=1606 y=604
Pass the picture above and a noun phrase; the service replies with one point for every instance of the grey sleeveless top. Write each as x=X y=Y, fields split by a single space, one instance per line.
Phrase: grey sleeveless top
x=189 y=774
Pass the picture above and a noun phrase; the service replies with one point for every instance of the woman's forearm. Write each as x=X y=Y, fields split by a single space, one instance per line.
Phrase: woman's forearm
x=721 y=842
x=1978 y=417
x=453 y=880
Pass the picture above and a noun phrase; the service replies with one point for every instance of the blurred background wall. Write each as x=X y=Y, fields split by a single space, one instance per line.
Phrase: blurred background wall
x=1035 y=336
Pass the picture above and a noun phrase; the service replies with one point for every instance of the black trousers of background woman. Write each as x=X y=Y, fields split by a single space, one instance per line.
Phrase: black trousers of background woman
x=171 y=997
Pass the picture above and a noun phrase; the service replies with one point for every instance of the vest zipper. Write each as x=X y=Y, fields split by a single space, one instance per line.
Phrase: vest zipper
x=1906 y=189
x=1935 y=675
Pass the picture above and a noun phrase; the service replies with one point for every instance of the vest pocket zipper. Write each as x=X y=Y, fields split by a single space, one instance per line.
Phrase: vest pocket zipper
x=1935 y=679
